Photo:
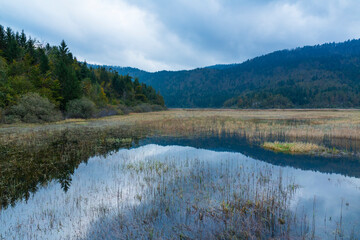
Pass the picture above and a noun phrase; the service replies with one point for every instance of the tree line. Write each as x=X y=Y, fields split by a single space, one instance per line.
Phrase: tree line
x=53 y=79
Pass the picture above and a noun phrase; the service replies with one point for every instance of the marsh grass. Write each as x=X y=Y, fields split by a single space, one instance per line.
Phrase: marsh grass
x=201 y=198
x=40 y=153
x=195 y=199
x=297 y=147
x=335 y=127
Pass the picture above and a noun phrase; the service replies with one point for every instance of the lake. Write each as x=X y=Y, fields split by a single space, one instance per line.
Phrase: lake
x=191 y=188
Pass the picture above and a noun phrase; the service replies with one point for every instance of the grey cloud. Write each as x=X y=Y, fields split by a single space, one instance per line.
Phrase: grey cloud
x=182 y=34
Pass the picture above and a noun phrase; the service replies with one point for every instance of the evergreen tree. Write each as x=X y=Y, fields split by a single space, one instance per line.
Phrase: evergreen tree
x=22 y=39
x=43 y=60
x=118 y=84
x=11 y=50
x=104 y=77
x=2 y=39
x=70 y=84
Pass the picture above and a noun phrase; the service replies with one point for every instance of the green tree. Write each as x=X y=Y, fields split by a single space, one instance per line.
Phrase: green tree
x=2 y=39
x=11 y=50
x=70 y=84
x=43 y=60
x=22 y=39
x=118 y=84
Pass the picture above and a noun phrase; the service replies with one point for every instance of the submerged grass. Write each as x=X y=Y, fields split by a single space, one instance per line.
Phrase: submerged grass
x=157 y=192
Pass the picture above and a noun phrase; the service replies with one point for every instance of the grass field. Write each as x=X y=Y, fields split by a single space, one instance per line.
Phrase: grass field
x=338 y=128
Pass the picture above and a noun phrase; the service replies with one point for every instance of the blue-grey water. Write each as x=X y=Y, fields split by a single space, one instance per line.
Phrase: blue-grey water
x=125 y=183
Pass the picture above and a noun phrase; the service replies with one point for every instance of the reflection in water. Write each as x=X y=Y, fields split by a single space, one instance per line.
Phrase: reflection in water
x=25 y=169
x=348 y=166
x=187 y=192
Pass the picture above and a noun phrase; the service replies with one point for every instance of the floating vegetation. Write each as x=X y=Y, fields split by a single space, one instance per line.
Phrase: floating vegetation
x=294 y=147
x=301 y=148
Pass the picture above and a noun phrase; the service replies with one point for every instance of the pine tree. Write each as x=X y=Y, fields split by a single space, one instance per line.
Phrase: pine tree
x=118 y=84
x=70 y=84
x=2 y=38
x=11 y=51
x=43 y=60
x=22 y=39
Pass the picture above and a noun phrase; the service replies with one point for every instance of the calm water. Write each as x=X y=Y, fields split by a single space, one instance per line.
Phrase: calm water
x=160 y=188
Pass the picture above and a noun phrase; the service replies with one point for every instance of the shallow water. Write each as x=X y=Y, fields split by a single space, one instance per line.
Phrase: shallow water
x=110 y=196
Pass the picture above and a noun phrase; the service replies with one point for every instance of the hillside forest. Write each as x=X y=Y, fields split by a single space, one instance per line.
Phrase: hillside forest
x=40 y=83
x=320 y=76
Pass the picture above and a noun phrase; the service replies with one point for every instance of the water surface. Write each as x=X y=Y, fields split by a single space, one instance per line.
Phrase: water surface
x=176 y=184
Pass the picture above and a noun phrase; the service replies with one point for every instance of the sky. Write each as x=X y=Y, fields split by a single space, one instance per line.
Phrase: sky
x=156 y=35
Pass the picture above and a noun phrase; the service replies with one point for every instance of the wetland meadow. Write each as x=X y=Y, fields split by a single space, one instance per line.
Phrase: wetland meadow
x=184 y=174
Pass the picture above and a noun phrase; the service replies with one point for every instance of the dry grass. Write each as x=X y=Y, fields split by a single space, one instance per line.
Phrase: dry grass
x=294 y=123
x=313 y=126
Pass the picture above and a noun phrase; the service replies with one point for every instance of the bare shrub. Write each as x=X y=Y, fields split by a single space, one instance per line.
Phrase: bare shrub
x=32 y=108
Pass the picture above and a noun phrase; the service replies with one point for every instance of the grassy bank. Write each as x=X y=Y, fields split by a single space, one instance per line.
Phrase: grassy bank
x=338 y=128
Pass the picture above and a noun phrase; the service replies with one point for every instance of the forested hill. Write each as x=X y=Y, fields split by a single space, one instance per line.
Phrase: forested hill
x=45 y=83
x=319 y=76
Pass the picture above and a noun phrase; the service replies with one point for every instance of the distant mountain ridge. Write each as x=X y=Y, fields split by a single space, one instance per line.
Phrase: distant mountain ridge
x=320 y=76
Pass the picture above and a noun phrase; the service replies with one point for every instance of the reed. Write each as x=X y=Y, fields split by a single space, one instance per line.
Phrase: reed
x=296 y=124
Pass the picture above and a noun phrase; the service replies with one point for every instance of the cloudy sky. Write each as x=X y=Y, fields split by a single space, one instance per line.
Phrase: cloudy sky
x=181 y=34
